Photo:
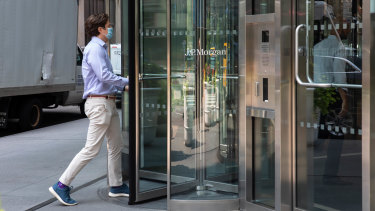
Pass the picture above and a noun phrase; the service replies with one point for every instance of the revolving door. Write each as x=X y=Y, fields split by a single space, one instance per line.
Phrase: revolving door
x=186 y=103
x=203 y=147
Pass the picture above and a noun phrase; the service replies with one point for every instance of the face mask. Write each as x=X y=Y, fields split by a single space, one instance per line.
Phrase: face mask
x=110 y=33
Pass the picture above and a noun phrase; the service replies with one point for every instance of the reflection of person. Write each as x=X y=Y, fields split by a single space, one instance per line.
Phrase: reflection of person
x=100 y=88
x=330 y=67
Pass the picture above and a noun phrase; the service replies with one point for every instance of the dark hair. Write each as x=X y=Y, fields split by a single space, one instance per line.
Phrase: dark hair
x=93 y=22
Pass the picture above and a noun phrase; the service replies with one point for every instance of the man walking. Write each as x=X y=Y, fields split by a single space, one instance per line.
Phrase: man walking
x=100 y=88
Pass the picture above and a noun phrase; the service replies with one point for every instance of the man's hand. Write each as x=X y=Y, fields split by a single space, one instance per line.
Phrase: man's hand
x=344 y=105
x=344 y=109
x=126 y=88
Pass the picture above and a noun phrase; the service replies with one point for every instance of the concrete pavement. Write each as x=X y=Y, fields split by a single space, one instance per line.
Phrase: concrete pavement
x=32 y=161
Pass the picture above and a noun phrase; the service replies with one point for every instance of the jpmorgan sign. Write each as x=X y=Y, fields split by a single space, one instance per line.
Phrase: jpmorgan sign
x=202 y=52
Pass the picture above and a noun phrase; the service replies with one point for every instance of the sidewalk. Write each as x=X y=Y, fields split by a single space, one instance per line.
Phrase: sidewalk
x=95 y=197
x=32 y=161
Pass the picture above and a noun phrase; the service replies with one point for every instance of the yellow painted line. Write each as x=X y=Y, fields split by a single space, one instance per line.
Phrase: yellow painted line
x=1 y=209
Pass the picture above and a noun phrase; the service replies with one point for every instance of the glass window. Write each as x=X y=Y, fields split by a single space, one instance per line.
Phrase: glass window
x=264 y=161
x=329 y=120
x=153 y=95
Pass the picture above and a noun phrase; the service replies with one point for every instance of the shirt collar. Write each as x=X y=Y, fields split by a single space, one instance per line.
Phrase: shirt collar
x=99 y=41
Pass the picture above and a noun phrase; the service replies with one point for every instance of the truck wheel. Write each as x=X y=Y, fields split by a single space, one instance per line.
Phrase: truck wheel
x=82 y=108
x=31 y=114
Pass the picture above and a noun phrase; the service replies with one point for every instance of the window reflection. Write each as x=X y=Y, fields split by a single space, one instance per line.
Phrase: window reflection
x=257 y=7
x=329 y=130
x=153 y=95
x=204 y=50
x=264 y=161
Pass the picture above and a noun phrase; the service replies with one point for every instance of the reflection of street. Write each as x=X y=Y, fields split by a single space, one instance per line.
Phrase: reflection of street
x=206 y=146
x=329 y=111
x=183 y=155
x=345 y=185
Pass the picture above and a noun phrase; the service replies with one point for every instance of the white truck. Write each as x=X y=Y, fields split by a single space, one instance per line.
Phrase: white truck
x=115 y=54
x=40 y=62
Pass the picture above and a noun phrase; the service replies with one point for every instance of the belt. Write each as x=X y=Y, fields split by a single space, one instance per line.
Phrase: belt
x=112 y=97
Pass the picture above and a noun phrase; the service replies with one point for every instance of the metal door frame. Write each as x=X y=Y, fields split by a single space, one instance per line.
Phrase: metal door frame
x=368 y=102
x=283 y=110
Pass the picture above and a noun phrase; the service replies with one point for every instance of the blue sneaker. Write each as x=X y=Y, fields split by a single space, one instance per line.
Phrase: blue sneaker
x=62 y=194
x=119 y=191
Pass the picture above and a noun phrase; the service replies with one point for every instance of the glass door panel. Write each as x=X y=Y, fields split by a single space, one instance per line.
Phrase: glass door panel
x=204 y=125
x=204 y=134
x=220 y=94
x=183 y=154
x=264 y=161
x=328 y=103
x=152 y=163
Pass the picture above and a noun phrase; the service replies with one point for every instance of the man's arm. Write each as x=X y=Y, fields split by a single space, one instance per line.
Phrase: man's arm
x=96 y=59
x=340 y=78
x=344 y=105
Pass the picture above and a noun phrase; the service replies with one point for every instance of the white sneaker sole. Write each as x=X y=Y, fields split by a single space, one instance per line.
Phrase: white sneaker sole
x=53 y=192
x=118 y=194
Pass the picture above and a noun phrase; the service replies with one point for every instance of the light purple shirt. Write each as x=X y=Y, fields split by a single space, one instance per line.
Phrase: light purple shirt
x=97 y=71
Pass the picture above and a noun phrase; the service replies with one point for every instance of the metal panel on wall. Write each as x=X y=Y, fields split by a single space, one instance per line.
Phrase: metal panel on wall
x=268 y=99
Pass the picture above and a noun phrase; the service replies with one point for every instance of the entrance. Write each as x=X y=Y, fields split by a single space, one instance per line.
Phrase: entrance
x=328 y=72
x=212 y=129
x=186 y=60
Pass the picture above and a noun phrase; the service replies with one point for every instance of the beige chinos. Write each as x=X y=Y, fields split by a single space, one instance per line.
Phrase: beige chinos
x=104 y=122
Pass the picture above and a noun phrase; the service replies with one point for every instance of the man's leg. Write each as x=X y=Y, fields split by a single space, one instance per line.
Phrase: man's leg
x=334 y=151
x=99 y=117
x=114 y=146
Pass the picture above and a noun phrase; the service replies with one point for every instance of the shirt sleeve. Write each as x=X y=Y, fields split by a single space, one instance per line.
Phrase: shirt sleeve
x=97 y=60
x=120 y=88
x=339 y=66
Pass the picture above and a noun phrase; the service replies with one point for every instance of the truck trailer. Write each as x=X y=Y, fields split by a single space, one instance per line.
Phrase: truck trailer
x=40 y=62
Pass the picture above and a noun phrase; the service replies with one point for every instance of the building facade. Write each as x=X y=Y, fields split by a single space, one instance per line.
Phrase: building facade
x=85 y=9
x=249 y=104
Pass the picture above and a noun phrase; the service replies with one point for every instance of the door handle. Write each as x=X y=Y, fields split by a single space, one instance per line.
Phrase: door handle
x=143 y=77
x=228 y=76
x=311 y=83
